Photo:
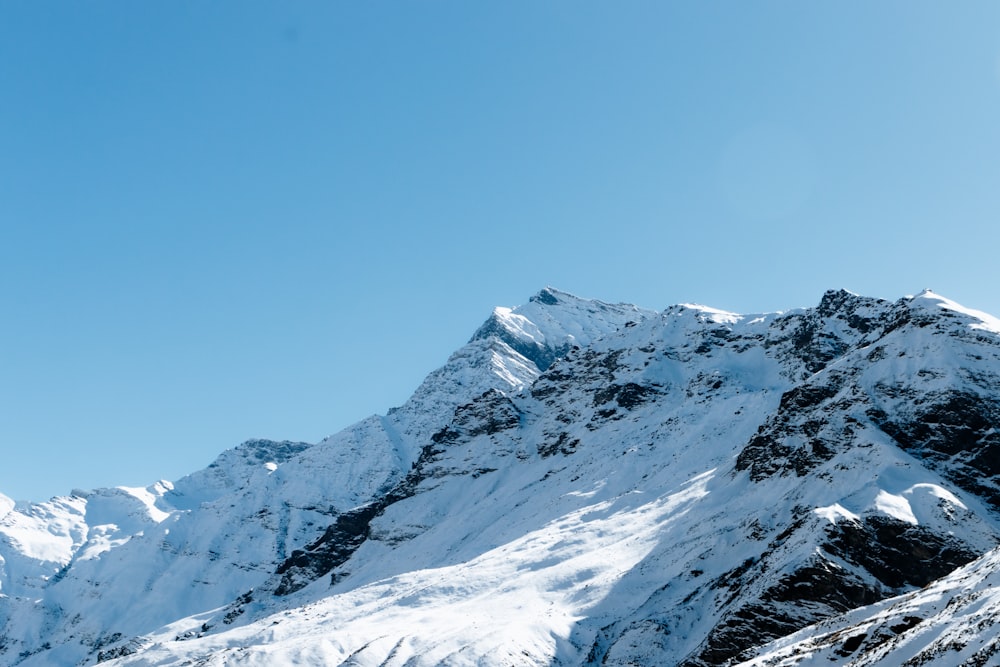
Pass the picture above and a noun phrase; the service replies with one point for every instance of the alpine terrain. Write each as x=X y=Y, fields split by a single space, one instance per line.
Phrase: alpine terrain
x=583 y=483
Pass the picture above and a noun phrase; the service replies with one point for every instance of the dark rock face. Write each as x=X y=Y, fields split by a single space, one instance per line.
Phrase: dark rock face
x=628 y=396
x=578 y=368
x=858 y=563
x=547 y=297
x=337 y=544
x=897 y=553
x=596 y=374
x=809 y=594
x=347 y=533
x=262 y=451
x=562 y=444
x=489 y=414
x=958 y=433
x=879 y=556
x=843 y=305
x=116 y=652
x=798 y=438
x=813 y=341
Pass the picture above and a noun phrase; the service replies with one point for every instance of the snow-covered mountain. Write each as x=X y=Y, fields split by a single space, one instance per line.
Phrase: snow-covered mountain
x=583 y=483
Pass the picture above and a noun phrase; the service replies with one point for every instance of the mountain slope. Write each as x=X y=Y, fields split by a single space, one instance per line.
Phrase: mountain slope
x=583 y=483
x=953 y=621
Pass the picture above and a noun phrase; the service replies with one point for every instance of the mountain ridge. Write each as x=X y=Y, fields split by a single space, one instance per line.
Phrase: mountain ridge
x=673 y=487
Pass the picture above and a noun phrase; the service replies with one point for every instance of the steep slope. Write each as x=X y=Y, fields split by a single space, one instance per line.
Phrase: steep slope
x=211 y=537
x=952 y=622
x=582 y=484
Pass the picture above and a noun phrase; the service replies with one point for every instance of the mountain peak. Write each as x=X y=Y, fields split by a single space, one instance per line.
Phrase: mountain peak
x=582 y=483
x=549 y=296
x=553 y=321
x=934 y=302
x=844 y=302
x=708 y=313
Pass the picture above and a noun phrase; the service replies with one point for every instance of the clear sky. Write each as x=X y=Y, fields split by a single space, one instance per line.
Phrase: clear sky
x=229 y=220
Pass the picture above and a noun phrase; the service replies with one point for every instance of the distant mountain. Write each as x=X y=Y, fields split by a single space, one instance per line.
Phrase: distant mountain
x=583 y=483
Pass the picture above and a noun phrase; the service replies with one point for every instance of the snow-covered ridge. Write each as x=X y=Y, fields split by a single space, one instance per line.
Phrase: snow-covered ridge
x=950 y=622
x=980 y=320
x=583 y=483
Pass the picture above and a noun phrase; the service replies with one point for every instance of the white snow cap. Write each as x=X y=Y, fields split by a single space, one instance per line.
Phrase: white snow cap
x=930 y=299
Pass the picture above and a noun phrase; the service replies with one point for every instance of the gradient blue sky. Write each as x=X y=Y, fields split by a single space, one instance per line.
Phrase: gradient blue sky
x=228 y=220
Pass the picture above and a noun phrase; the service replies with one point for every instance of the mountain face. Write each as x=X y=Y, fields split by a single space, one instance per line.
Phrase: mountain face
x=583 y=483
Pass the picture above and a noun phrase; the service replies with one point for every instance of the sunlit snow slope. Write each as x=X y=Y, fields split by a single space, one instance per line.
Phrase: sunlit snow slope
x=582 y=484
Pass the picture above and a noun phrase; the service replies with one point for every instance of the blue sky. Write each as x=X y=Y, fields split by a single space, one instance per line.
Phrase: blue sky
x=228 y=220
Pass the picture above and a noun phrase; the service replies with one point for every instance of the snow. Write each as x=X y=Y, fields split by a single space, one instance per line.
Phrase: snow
x=834 y=513
x=718 y=316
x=528 y=593
x=149 y=497
x=895 y=506
x=983 y=321
x=519 y=325
x=936 y=492
x=46 y=532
